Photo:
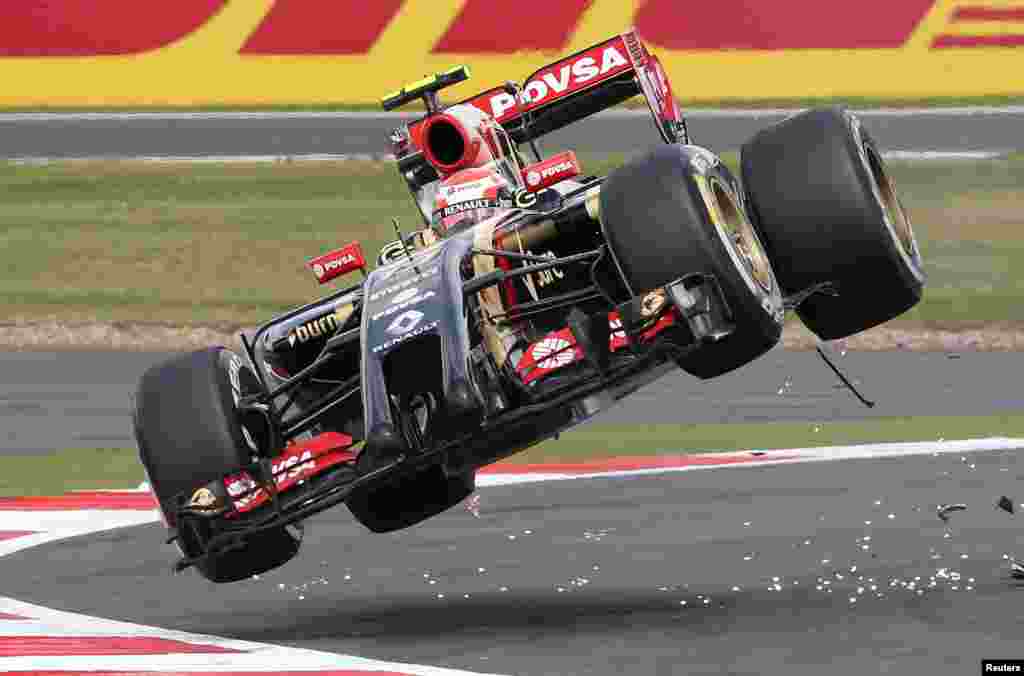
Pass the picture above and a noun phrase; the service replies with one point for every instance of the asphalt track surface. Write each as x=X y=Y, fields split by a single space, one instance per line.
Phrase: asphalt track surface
x=836 y=567
x=727 y=570
x=59 y=400
x=285 y=134
x=841 y=567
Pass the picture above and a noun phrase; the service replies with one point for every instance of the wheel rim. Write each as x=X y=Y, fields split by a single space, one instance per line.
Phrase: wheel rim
x=884 y=190
x=895 y=216
x=742 y=239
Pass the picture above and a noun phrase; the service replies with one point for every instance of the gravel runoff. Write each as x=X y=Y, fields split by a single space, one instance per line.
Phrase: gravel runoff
x=49 y=335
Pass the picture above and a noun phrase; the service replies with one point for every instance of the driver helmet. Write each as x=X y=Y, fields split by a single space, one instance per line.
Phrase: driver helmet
x=469 y=197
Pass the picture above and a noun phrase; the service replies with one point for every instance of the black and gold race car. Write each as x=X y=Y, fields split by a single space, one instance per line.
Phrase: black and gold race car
x=533 y=297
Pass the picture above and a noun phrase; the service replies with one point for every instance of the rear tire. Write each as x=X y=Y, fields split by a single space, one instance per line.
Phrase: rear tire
x=678 y=210
x=827 y=211
x=188 y=433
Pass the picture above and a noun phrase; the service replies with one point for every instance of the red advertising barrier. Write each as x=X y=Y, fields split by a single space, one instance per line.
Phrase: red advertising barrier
x=187 y=52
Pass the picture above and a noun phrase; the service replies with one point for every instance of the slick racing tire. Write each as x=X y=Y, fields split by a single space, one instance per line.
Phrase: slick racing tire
x=678 y=210
x=827 y=212
x=410 y=499
x=188 y=432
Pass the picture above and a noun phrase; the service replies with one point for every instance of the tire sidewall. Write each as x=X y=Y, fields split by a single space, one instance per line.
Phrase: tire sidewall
x=241 y=381
x=185 y=408
x=861 y=143
x=190 y=434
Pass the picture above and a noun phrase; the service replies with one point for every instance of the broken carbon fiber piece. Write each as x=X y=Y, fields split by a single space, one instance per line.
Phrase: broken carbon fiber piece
x=825 y=352
x=943 y=511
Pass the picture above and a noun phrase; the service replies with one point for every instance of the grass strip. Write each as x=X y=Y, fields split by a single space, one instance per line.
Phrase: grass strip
x=120 y=468
x=209 y=243
x=71 y=469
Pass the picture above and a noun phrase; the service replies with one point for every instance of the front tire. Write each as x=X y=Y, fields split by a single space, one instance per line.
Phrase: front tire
x=678 y=210
x=827 y=212
x=410 y=500
x=188 y=432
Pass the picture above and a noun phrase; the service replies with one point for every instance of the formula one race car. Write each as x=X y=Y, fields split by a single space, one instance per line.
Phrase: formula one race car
x=533 y=297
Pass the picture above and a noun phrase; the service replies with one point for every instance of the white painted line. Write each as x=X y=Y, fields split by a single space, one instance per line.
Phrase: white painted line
x=943 y=155
x=762 y=458
x=932 y=111
x=253 y=656
x=939 y=111
x=751 y=459
x=45 y=622
x=791 y=456
x=710 y=113
x=57 y=525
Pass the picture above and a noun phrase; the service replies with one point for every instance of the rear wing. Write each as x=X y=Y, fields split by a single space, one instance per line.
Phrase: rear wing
x=585 y=83
x=580 y=85
x=557 y=95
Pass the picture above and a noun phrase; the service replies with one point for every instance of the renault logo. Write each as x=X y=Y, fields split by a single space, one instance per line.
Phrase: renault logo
x=405 y=322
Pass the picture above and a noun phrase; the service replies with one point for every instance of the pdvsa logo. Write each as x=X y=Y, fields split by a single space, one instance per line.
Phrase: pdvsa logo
x=534 y=177
x=327 y=267
x=590 y=65
x=548 y=172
